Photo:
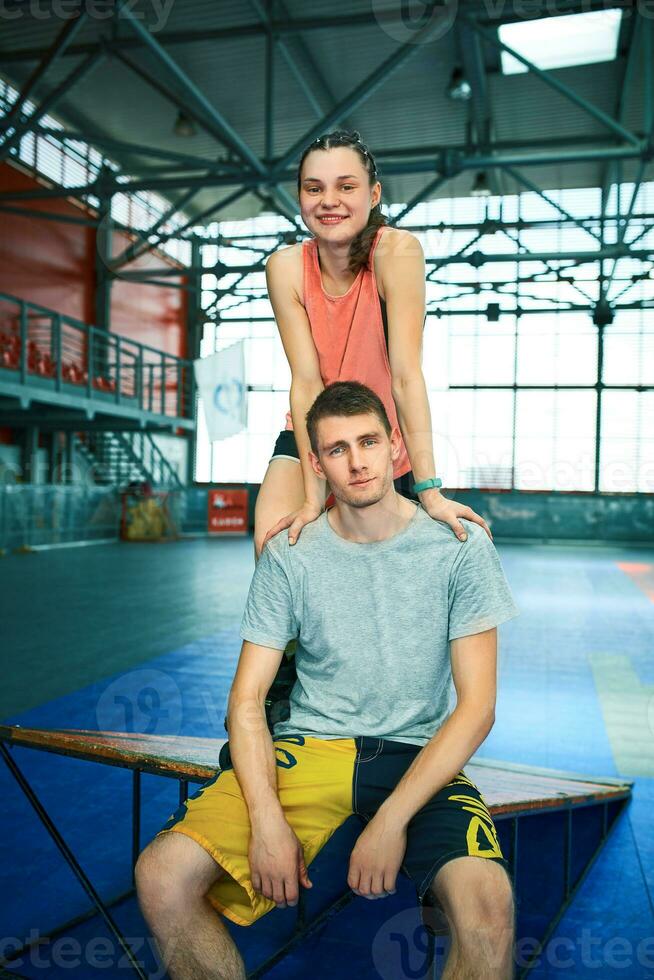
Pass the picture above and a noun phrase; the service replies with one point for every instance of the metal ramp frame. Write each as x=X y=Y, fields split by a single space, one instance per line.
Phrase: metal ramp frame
x=578 y=811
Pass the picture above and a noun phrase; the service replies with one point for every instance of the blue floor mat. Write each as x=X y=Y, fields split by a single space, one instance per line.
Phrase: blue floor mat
x=573 y=604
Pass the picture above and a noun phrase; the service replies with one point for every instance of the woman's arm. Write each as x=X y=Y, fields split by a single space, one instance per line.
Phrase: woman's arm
x=400 y=268
x=306 y=381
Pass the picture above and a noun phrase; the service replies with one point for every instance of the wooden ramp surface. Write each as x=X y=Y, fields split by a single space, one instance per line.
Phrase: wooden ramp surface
x=507 y=788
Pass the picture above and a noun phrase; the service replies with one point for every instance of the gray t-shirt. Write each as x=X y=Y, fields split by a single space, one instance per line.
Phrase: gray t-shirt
x=373 y=621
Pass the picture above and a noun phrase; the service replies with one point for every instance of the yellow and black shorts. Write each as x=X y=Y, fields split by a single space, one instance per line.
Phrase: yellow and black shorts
x=320 y=783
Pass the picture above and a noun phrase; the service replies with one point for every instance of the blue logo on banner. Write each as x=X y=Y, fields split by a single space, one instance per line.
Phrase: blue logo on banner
x=228 y=396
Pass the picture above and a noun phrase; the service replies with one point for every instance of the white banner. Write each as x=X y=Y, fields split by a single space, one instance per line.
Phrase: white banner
x=221 y=384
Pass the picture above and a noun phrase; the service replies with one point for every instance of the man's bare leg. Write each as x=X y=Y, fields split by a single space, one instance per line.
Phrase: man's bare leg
x=173 y=875
x=477 y=898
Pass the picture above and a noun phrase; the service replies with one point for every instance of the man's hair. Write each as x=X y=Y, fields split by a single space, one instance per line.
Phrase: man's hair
x=344 y=398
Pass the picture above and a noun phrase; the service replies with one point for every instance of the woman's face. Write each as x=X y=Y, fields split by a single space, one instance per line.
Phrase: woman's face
x=335 y=194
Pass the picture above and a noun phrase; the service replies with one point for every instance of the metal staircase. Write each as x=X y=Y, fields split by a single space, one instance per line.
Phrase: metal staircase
x=120 y=458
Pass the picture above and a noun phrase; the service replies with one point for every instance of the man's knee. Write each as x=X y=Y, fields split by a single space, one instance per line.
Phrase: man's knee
x=476 y=894
x=154 y=882
x=493 y=906
x=165 y=875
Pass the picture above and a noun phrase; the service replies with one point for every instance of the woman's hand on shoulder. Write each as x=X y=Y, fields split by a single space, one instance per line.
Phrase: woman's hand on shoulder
x=307 y=513
x=449 y=511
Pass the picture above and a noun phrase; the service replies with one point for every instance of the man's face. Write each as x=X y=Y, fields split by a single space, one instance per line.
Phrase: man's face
x=356 y=457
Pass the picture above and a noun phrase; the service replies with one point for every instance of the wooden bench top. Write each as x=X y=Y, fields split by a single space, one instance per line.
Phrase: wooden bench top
x=507 y=788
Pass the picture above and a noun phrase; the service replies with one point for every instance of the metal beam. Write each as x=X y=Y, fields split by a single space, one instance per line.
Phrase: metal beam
x=475 y=72
x=454 y=257
x=207 y=213
x=240 y=241
x=32 y=213
x=269 y=94
x=259 y=266
x=53 y=420
x=521 y=179
x=457 y=160
x=644 y=36
x=109 y=143
x=183 y=286
x=229 y=135
x=624 y=84
x=285 y=52
x=171 y=272
x=282 y=27
x=194 y=183
x=559 y=274
x=648 y=104
x=275 y=43
x=26 y=124
x=264 y=15
x=606 y=281
x=103 y=250
x=376 y=19
x=577 y=257
x=418 y=198
x=136 y=248
x=361 y=92
x=434 y=310
x=191 y=223
x=476 y=258
x=194 y=331
x=55 y=51
x=191 y=110
x=556 y=84
x=431 y=151
x=480 y=112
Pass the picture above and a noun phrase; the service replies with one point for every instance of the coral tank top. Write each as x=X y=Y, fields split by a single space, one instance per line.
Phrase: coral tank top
x=348 y=332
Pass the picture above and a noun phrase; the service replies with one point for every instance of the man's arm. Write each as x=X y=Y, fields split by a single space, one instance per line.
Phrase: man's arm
x=474 y=672
x=277 y=864
x=250 y=742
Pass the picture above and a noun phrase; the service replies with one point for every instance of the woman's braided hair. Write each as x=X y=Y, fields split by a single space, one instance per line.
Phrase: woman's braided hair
x=360 y=246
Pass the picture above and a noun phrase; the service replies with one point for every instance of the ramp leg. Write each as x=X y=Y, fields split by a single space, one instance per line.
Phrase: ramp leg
x=71 y=860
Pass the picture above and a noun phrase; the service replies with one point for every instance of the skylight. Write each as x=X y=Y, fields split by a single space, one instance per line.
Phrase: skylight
x=560 y=42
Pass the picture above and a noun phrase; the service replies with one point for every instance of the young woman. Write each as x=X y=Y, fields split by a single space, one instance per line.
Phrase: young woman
x=349 y=305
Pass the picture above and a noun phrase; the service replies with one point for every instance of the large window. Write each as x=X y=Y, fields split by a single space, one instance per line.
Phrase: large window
x=511 y=352
x=72 y=163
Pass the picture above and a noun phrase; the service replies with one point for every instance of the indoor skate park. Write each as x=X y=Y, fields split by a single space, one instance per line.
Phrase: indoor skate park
x=150 y=164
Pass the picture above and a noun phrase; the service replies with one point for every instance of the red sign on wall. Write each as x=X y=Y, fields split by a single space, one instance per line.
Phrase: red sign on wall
x=228 y=512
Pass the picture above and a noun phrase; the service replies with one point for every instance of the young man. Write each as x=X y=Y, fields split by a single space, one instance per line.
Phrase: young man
x=387 y=607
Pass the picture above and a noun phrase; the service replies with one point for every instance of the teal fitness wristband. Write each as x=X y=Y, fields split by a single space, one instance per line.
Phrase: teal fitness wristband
x=427 y=484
